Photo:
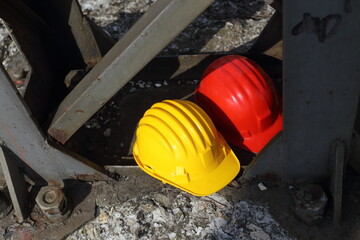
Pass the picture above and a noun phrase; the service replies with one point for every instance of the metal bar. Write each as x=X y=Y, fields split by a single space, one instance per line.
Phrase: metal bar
x=336 y=166
x=16 y=184
x=22 y=136
x=321 y=88
x=155 y=29
x=83 y=35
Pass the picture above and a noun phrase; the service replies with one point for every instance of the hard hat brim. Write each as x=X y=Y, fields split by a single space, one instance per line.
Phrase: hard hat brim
x=217 y=179
x=258 y=141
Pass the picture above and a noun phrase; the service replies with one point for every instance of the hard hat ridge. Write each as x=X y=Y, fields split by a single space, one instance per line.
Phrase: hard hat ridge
x=242 y=101
x=177 y=143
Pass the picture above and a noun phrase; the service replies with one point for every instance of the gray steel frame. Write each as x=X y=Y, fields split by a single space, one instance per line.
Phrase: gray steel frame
x=321 y=89
x=20 y=134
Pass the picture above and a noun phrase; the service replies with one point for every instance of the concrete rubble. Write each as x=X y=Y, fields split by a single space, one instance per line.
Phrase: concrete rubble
x=173 y=214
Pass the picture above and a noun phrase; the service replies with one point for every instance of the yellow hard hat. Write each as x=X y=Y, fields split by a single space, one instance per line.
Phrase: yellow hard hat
x=177 y=143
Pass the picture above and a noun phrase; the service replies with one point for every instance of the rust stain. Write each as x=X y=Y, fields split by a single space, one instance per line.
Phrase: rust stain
x=79 y=111
x=59 y=135
x=56 y=183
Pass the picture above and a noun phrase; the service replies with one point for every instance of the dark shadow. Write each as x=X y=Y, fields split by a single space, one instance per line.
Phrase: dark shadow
x=41 y=29
x=27 y=170
x=121 y=117
x=17 y=183
x=76 y=191
x=245 y=157
x=227 y=128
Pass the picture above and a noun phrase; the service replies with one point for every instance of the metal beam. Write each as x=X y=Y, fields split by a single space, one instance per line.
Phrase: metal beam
x=21 y=135
x=16 y=185
x=321 y=88
x=155 y=29
x=84 y=37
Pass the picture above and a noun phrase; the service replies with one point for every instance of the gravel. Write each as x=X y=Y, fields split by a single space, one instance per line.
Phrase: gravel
x=225 y=26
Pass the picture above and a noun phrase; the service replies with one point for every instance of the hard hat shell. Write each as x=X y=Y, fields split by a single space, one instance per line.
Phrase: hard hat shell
x=242 y=101
x=177 y=143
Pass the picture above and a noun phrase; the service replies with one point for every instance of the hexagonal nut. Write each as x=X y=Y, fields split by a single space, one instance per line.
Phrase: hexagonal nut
x=51 y=200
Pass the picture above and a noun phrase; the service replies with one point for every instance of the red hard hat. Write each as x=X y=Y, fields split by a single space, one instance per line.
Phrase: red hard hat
x=242 y=101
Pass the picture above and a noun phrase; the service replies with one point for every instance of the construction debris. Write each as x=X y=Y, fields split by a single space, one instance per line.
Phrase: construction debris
x=173 y=214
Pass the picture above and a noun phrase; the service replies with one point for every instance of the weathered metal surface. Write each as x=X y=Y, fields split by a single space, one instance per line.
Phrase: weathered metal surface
x=21 y=135
x=16 y=184
x=336 y=167
x=321 y=88
x=155 y=29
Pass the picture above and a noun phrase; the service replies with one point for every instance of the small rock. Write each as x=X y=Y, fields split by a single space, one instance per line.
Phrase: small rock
x=162 y=199
x=172 y=235
x=107 y=132
x=141 y=84
x=262 y=187
x=257 y=233
x=132 y=89
x=159 y=215
x=103 y=217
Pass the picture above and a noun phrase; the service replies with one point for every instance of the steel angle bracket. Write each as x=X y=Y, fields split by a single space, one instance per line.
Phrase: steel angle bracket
x=22 y=136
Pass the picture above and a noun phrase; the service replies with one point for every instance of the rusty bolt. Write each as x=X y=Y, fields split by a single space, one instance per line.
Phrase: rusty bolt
x=310 y=201
x=52 y=202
